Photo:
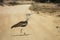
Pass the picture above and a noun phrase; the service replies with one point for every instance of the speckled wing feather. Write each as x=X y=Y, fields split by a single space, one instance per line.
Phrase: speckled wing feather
x=16 y=25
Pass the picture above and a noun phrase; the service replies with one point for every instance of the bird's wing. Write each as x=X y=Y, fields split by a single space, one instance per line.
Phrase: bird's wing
x=16 y=25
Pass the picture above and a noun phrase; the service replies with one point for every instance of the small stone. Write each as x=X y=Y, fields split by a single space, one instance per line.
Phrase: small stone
x=57 y=26
x=58 y=15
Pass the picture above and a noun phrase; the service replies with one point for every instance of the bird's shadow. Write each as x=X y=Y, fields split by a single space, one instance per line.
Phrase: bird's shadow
x=21 y=35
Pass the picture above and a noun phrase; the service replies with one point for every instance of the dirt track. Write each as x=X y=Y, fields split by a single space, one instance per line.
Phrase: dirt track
x=40 y=27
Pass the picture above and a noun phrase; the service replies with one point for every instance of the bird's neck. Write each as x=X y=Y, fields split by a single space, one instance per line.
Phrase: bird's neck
x=27 y=19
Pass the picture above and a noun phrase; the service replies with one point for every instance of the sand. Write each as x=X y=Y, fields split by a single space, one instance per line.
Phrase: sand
x=40 y=26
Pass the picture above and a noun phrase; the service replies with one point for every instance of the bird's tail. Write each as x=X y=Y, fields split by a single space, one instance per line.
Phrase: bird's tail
x=11 y=27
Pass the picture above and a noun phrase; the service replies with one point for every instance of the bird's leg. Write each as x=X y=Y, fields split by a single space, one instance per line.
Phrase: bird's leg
x=24 y=33
x=21 y=30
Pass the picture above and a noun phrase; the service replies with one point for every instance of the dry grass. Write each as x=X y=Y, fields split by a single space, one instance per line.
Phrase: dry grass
x=45 y=8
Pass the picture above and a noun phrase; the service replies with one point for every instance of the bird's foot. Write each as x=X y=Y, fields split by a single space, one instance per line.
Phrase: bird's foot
x=24 y=34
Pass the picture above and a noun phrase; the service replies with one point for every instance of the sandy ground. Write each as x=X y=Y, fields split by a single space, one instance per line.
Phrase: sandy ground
x=40 y=27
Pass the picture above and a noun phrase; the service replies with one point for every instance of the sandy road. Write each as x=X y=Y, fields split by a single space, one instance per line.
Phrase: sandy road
x=40 y=27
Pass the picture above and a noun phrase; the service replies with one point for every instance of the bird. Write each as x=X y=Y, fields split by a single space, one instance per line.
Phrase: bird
x=22 y=23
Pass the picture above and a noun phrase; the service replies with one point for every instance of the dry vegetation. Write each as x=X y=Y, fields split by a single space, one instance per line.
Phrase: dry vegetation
x=46 y=8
